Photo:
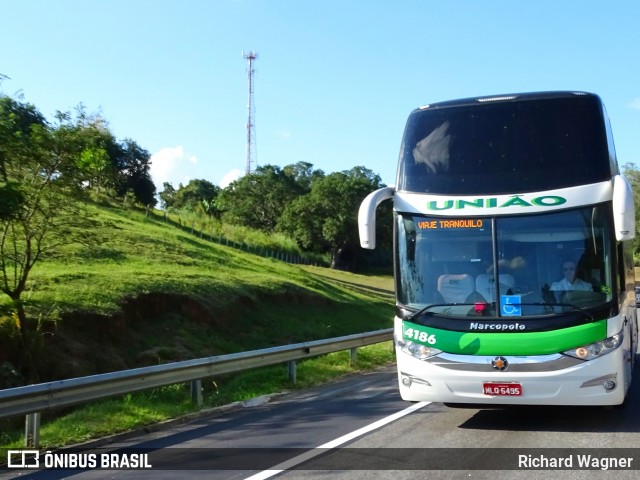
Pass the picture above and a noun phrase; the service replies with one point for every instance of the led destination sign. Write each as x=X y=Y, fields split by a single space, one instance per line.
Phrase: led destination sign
x=442 y=224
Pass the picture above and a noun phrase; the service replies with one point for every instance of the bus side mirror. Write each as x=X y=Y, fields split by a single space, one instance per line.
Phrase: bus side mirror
x=367 y=216
x=624 y=215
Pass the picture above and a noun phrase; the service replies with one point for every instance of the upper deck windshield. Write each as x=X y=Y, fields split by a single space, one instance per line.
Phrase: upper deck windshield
x=505 y=267
x=523 y=145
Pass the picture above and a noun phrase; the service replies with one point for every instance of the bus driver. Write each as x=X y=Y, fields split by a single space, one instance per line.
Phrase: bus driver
x=570 y=281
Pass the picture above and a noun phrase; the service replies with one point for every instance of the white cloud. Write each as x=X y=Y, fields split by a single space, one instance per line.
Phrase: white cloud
x=635 y=104
x=173 y=165
x=230 y=177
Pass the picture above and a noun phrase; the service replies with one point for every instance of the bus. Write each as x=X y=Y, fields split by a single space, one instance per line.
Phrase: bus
x=513 y=261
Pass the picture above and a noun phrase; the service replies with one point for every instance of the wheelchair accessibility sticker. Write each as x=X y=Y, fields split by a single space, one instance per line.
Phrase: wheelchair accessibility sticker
x=510 y=305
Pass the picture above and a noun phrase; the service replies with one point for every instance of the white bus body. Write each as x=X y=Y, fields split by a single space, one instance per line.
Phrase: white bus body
x=493 y=197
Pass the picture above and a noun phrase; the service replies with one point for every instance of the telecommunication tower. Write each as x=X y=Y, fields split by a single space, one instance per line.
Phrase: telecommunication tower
x=251 y=123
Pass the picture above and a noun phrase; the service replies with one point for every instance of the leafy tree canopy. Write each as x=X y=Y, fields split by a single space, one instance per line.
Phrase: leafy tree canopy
x=108 y=166
x=196 y=196
x=326 y=219
x=133 y=165
x=44 y=188
x=303 y=174
x=257 y=200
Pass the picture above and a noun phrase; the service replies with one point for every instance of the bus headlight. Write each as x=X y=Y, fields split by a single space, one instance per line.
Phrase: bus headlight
x=417 y=350
x=597 y=349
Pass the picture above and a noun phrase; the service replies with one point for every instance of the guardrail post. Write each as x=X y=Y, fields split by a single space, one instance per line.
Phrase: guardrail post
x=32 y=430
x=196 y=392
x=292 y=368
x=353 y=356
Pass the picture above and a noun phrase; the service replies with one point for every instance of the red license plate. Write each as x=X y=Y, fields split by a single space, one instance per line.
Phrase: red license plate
x=502 y=389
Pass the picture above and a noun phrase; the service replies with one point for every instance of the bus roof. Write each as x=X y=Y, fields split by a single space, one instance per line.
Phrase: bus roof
x=508 y=97
x=500 y=144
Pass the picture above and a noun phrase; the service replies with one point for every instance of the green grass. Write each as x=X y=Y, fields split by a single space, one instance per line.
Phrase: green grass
x=154 y=293
x=145 y=254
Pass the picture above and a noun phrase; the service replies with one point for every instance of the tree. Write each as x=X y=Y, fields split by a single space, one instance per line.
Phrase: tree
x=167 y=195
x=196 y=196
x=106 y=164
x=40 y=178
x=133 y=165
x=95 y=161
x=326 y=219
x=303 y=174
x=96 y=149
x=257 y=200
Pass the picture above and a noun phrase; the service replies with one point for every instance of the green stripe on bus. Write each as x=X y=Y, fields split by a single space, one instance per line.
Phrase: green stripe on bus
x=531 y=343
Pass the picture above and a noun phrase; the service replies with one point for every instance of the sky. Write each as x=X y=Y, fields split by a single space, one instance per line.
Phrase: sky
x=334 y=80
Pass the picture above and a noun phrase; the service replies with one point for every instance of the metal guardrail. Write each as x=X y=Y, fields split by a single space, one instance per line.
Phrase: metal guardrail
x=32 y=399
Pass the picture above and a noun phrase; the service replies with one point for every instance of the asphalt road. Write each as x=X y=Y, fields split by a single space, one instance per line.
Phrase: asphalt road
x=366 y=431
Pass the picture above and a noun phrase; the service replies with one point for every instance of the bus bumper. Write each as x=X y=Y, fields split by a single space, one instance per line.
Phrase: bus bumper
x=538 y=380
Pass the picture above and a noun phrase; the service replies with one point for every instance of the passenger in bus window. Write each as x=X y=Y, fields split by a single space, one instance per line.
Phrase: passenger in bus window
x=570 y=281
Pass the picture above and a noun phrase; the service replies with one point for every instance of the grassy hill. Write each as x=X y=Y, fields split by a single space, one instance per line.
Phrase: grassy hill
x=153 y=292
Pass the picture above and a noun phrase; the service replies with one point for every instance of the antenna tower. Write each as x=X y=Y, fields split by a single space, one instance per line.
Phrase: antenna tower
x=251 y=123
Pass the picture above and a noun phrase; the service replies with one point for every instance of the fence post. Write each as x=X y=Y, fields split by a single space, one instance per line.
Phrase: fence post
x=292 y=369
x=196 y=392
x=32 y=430
x=353 y=356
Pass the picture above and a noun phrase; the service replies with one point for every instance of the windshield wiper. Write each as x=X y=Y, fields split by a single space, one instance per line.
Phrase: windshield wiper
x=572 y=307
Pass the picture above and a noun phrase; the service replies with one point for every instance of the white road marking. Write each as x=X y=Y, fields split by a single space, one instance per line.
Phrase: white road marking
x=335 y=443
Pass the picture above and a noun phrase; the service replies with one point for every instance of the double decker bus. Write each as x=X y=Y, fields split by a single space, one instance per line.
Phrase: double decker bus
x=514 y=274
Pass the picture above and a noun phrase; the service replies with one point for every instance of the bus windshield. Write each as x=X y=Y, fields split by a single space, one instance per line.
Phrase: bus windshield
x=506 y=146
x=506 y=266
